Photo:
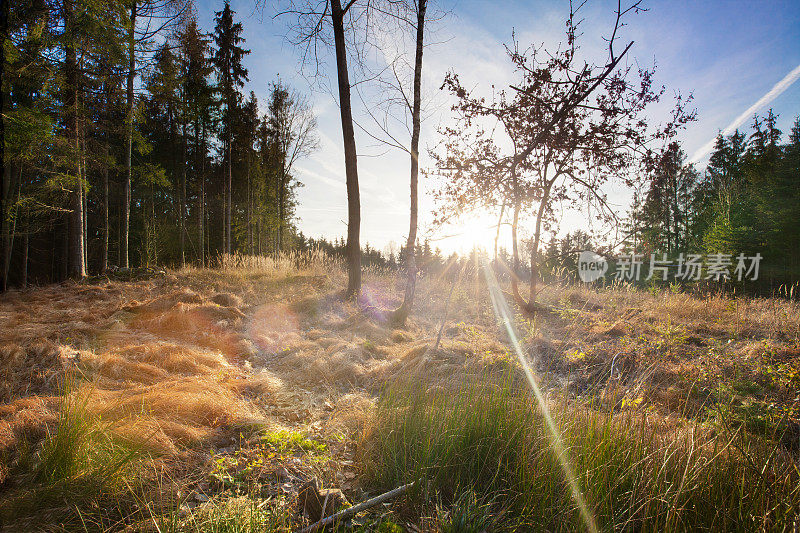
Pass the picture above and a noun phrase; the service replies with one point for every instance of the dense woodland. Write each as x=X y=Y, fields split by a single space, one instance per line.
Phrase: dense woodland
x=746 y=201
x=131 y=144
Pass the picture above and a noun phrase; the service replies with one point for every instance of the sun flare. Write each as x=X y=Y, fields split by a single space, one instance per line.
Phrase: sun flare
x=478 y=230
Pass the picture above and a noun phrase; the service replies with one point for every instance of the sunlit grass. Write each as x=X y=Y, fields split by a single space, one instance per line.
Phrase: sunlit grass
x=485 y=446
x=682 y=420
x=80 y=464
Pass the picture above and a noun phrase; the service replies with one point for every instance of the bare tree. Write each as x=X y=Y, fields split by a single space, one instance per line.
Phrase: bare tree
x=399 y=90
x=401 y=314
x=329 y=24
x=291 y=130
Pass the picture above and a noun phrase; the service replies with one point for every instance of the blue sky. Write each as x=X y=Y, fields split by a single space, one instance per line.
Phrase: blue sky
x=729 y=54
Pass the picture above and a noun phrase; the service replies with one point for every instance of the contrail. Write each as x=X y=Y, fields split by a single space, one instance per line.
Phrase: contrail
x=772 y=94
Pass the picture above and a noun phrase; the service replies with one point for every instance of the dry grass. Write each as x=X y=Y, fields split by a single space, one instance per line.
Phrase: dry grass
x=200 y=359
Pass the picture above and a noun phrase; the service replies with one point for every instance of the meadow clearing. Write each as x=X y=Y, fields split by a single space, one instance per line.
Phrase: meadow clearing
x=207 y=399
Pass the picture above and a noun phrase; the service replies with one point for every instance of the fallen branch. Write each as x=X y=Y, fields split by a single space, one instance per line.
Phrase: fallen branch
x=347 y=513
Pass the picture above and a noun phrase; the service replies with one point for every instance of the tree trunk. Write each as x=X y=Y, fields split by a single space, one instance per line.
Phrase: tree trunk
x=3 y=166
x=4 y=190
x=202 y=193
x=126 y=184
x=104 y=253
x=85 y=175
x=350 y=156
x=497 y=232
x=229 y=199
x=249 y=204
x=25 y=240
x=280 y=200
x=64 y=263
x=77 y=267
x=411 y=264
x=9 y=237
x=182 y=202
x=531 y=307
x=515 y=240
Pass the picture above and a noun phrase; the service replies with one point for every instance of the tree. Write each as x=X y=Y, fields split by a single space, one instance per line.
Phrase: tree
x=572 y=126
x=3 y=181
x=665 y=210
x=231 y=75
x=401 y=314
x=315 y=22
x=291 y=132
x=198 y=99
x=164 y=13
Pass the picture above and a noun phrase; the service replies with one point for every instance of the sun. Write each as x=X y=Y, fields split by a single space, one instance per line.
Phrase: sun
x=477 y=230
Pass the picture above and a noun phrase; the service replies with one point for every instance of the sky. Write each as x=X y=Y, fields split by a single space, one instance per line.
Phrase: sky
x=734 y=57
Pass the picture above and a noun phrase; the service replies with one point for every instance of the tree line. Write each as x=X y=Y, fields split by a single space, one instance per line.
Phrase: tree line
x=128 y=141
x=747 y=201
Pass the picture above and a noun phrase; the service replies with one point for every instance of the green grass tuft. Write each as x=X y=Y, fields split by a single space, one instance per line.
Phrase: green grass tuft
x=79 y=465
x=483 y=450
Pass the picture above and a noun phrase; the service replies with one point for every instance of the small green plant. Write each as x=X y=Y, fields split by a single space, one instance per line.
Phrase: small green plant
x=369 y=345
x=286 y=441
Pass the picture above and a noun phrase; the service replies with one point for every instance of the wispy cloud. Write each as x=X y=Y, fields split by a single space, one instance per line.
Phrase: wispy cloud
x=771 y=95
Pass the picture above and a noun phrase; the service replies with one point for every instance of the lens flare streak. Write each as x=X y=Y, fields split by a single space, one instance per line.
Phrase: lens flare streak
x=503 y=314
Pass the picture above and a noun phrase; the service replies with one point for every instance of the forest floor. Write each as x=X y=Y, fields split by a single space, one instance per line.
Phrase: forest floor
x=206 y=399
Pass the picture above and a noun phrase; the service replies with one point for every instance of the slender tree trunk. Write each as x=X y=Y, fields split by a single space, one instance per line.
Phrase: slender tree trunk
x=25 y=240
x=65 y=248
x=182 y=202
x=4 y=189
x=350 y=155
x=229 y=200
x=104 y=253
x=201 y=195
x=203 y=212
x=77 y=267
x=514 y=238
x=172 y=117
x=515 y=242
x=126 y=184
x=3 y=164
x=104 y=243
x=536 y=277
x=249 y=205
x=85 y=174
x=280 y=200
x=497 y=231
x=411 y=264
x=12 y=230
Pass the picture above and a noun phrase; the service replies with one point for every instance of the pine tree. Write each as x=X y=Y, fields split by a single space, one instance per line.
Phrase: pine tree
x=231 y=75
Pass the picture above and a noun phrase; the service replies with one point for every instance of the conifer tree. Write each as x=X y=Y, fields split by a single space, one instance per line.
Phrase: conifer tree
x=231 y=75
